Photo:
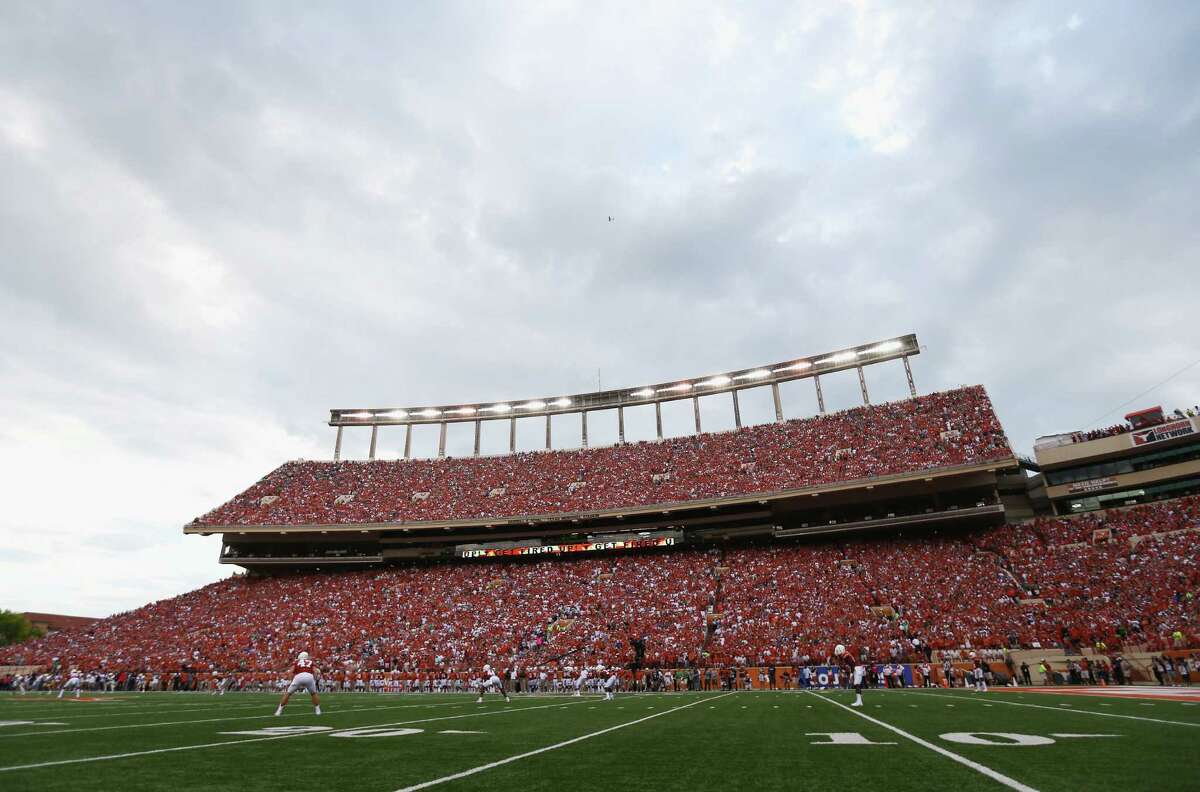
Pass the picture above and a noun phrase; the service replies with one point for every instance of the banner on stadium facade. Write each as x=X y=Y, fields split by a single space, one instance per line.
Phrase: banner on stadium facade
x=1091 y=485
x=828 y=676
x=1167 y=431
x=579 y=547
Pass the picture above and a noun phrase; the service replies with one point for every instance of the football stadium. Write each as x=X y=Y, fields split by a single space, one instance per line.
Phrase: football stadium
x=884 y=596
x=561 y=396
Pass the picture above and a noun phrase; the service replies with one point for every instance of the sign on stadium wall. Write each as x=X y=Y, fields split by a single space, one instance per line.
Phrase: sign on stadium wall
x=1091 y=485
x=1167 y=431
x=580 y=547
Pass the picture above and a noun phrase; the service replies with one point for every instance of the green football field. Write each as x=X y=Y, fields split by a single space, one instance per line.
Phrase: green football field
x=901 y=740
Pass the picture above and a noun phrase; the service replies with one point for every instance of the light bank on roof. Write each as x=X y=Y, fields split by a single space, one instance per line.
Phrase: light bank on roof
x=809 y=367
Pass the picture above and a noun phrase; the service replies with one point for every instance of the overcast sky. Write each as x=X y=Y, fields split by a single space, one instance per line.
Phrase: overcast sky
x=218 y=220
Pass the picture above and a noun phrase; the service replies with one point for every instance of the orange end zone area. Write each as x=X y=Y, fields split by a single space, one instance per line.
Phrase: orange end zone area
x=1127 y=692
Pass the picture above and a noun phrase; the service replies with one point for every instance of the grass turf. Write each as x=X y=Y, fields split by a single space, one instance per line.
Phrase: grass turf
x=687 y=741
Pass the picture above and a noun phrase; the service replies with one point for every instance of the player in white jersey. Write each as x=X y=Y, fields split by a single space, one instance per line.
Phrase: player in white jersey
x=493 y=682
x=980 y=682
x=74 y=683
x=303 y=678
x=581 y=681
x=610 y=685
x=858 y=674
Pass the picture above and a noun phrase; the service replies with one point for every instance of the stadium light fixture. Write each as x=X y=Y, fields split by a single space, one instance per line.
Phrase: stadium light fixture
x=840 y=357
x=757 y=374
x=870 y=353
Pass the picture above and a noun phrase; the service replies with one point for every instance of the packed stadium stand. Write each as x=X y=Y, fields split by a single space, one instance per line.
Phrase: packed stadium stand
x=872 y=527
x=1030 y=585
x=940 y=430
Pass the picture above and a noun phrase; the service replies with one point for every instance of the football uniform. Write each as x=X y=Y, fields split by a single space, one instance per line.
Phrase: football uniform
x=303 y=677
x=74 y=683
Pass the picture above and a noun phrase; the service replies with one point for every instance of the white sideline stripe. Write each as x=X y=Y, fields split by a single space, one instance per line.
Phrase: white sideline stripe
x=1011 y=783
x=214 y=720
x=266 y=739
x=153 y=710
x=563 y=744
x=1071 y=711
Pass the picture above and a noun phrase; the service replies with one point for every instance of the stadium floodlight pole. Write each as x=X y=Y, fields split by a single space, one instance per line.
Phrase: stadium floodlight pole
x=912 y=386
x=374 y=438
x=862 y=383
x=813 y=366
x=696 y=411
x=737 y=411
x=658 y=418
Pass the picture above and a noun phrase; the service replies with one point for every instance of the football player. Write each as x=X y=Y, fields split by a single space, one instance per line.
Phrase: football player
x=856 y=672
x=492 y=681
x=74 y=683
x=303 y=676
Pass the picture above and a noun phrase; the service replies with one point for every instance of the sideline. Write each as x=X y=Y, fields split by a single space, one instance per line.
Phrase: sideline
x=990 y=700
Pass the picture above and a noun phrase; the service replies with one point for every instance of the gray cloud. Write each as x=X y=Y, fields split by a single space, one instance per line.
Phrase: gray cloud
x=221 y=220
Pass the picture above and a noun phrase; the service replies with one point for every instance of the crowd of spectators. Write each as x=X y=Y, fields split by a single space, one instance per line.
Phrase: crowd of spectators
x=939 y=430
x=1031 y=585
x=1125 y=428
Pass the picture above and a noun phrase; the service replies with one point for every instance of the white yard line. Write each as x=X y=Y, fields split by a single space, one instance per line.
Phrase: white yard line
x=60 y=712
x=265 y=715
x=279 y=737
x=1011 y=783
x=1070 y=711
x=563 y=744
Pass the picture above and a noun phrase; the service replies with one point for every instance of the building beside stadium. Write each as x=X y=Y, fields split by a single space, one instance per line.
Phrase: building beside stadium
x=1153 y=455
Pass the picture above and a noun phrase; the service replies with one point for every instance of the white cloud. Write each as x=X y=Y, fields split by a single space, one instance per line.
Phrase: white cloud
x=219 y=222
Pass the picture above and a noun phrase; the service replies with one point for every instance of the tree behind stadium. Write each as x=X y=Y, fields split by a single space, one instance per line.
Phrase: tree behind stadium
x=15 y=628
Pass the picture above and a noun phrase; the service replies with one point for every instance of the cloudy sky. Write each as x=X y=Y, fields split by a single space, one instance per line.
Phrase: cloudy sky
x=218 y=220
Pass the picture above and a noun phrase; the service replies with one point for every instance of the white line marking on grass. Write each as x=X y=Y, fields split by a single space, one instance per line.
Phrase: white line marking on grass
x=210 y=720
x=481 y=768
x=266 y=739
x=1011 y=783
x=1078 y=711
x=1084 y=735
